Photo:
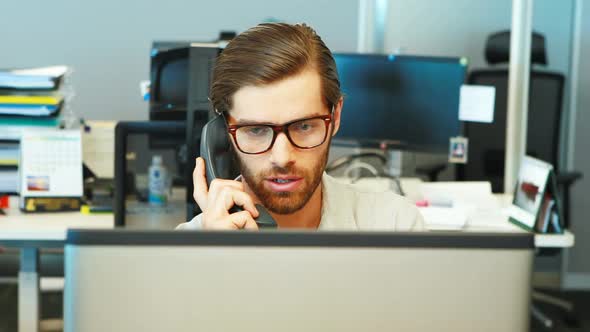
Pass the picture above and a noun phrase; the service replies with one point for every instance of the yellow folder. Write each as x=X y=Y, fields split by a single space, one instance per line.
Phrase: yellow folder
x=30 y=100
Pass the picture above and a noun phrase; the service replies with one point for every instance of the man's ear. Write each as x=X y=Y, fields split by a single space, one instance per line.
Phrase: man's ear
x=336 y=115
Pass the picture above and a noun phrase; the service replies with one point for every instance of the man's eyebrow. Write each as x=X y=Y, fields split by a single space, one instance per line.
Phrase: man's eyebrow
x=257 y=122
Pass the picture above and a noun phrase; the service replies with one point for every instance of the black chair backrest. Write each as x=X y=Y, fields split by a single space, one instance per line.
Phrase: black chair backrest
x=487 y=141
x=498 y=48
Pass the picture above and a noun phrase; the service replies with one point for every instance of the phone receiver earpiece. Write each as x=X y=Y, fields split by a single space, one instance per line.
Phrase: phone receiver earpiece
x=215 y=149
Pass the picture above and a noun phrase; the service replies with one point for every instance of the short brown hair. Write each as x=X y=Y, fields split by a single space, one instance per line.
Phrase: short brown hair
x=268 y=53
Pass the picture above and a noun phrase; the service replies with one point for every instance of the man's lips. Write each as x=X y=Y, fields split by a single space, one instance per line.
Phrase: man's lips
x=283 y=183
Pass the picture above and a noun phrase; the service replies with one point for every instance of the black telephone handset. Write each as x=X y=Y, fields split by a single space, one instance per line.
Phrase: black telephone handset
x=219 y=163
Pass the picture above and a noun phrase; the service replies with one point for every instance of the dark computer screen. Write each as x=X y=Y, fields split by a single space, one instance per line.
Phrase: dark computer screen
x=407 y=101
x=169 y=84
x=173 y=83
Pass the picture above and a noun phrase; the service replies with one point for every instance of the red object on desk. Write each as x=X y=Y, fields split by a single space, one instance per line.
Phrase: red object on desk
x=4 y=202
x=422 y=203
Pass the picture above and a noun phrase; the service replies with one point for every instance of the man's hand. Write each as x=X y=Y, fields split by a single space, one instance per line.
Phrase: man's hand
x=216 y=200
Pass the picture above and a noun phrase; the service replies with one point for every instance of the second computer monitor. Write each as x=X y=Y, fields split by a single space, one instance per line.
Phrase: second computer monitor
x=409 y=102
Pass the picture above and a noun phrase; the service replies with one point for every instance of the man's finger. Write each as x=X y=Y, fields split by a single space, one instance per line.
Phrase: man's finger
x=229 y=197
x=217 y=184
x=201 y=189
x=243 y=219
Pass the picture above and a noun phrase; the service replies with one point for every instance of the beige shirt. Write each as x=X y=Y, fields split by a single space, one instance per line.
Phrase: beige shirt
x=348 y=207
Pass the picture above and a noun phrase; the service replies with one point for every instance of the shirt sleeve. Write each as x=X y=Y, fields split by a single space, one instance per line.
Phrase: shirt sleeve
x=409 y=218
x=194 y=224
x=419 y=225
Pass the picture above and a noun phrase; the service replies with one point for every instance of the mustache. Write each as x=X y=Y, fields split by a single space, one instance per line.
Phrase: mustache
x=278 y=170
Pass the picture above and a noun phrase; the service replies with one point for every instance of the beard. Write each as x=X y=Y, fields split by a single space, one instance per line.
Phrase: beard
x=284 y=202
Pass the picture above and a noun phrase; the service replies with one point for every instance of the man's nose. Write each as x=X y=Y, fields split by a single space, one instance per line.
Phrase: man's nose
x=281 y=153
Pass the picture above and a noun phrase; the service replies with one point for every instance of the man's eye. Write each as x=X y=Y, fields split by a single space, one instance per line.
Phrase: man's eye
x=304 y=126
x=255 y=131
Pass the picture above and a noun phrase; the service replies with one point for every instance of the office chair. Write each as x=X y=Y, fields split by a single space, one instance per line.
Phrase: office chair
x=487 y=141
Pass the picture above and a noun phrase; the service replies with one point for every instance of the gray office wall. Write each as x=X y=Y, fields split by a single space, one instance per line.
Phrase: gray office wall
x=460 y=28
x=108 y=42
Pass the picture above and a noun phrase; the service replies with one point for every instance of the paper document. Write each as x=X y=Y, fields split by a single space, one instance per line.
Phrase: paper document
x=34 y=78
x=476 y=103
x=475 y=199
x=34 y=110
x=51 y=71
x=468 y=193
x=440 y=218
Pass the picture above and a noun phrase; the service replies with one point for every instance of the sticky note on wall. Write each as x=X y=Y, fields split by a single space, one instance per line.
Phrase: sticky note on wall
x=476 y=103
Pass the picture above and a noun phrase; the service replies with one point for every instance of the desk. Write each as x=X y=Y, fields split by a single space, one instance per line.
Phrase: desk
x=491 y=219
x=29 y=232
x=498 y=221
x=565 y=240
x=33 y=231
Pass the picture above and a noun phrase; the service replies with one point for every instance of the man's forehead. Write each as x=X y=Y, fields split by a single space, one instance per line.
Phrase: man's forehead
x=291 y=98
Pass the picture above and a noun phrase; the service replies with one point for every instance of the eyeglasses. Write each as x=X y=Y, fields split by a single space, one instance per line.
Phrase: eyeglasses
x=305 y=133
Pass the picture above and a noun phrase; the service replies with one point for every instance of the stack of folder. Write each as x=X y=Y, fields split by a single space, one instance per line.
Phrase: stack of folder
x=31 y=92
x=27 y=105
x=28 y=98
x=9 y=158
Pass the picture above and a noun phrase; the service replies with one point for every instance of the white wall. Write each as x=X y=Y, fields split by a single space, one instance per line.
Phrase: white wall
x=108 y=42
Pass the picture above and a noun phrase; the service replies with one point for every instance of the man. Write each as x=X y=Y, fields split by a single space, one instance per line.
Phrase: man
x=277 y=87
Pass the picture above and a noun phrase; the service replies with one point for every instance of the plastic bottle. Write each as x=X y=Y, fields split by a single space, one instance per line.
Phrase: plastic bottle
x=158 y=178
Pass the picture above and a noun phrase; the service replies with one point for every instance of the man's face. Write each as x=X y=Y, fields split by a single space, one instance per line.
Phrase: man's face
x=284 y=178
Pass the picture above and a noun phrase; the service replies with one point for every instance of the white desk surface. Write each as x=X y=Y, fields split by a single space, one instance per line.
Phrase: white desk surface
x=491 y=219
x=19 y=226
x=500 y=222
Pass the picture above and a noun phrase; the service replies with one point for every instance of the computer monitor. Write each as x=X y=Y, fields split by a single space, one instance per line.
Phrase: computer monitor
x=408 y=102
x=122 y=280
x=169 y=84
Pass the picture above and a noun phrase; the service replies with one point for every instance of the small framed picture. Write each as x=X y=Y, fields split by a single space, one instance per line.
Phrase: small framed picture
x=458 y=148
x=536 y=205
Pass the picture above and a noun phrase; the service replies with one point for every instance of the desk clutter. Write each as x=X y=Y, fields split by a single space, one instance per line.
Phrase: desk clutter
x=33 y=99
x=535 y=204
